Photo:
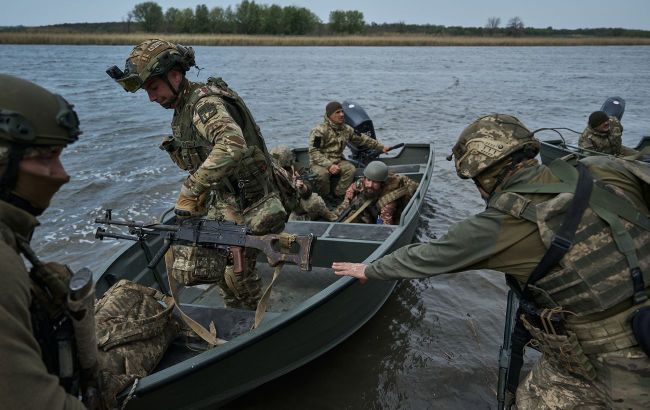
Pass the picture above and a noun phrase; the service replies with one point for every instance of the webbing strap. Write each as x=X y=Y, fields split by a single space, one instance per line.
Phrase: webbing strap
x=264 y=300
x=625 y=244
x=600 y=196
x=201 y=331
x=358 y=211
x=560 y=244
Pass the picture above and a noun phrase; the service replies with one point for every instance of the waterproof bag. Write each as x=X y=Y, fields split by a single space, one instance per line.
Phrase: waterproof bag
x=134 y=329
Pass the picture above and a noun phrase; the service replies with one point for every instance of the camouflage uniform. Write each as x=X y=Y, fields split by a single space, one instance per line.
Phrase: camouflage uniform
x=312 y=208
x=326 y=144
x=500 y=239
x=606 y=142
x=24 y=379
x=209 y=144
x=393 y=197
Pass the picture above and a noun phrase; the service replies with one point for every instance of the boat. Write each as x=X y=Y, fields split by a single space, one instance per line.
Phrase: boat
x=557 y=148
x=308 y=314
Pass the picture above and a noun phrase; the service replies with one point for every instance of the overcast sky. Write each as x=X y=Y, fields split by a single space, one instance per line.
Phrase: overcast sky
x=634 y=14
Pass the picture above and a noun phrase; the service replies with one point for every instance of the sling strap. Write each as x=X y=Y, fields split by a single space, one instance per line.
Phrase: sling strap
x=560 y=245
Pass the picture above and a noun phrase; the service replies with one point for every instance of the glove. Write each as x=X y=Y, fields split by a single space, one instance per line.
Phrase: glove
x=190 y=204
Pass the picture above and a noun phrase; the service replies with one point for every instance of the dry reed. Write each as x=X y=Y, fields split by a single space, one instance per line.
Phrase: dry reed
x=259 y=40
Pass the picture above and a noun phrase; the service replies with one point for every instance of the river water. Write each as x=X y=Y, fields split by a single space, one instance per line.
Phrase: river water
x=435 y=342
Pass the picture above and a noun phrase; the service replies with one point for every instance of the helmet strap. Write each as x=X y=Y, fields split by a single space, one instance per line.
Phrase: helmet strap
x=176 y=92
x=10 y=176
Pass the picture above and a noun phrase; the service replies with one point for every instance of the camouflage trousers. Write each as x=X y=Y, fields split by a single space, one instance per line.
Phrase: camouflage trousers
x=312 y=209
x=239 y=290
x=622 y=382
x=322 y=183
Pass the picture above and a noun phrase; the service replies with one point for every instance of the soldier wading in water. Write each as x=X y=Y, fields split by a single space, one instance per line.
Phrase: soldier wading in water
x=574 y=239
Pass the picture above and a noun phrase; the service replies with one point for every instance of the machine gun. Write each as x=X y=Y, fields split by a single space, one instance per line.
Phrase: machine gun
x=215 y=234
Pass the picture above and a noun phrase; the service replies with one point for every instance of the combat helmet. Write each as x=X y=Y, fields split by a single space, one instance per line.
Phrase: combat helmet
x=376 y=171
x=283 y=155
x=151 y=58
x=32 y=120
x=490 y=140
x=31 y=116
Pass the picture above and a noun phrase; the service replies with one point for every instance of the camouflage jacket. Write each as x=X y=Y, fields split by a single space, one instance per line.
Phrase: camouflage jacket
x=607 y=143
x=501 y=241
x=209 y=144
x=394 y=195
x=24 y=379
x=328 y=140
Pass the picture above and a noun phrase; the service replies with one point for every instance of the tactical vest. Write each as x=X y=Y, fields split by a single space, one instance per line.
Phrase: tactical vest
x=188 y=149
x=393 y=192
x=611 y=242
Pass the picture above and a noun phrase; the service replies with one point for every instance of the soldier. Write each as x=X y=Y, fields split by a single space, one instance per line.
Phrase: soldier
x=589 y=315
x=603 y=134
x=38 y=360
x=310 y=206
x=381 y=194
x=326 y=144
x=217 y=141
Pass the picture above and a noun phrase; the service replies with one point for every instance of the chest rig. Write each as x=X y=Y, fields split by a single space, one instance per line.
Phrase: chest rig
x=188 y=149
x=600 y=242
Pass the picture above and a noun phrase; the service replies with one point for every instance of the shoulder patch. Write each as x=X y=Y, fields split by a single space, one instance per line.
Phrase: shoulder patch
x=317 y=142
x=206 y=111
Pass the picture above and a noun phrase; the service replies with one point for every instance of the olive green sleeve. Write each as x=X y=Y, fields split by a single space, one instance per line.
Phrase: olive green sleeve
x=24 y=380
x=489 y=240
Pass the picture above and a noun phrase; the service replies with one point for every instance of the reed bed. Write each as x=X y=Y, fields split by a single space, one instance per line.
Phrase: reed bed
x=259 y=40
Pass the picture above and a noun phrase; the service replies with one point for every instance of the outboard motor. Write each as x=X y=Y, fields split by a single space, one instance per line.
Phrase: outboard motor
x=614 y=107
x=356 y=117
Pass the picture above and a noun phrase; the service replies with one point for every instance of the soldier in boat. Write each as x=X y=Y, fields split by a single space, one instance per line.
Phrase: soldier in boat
x=326 y=144
x=310 y=205
x=378 y=197
x=216 y=140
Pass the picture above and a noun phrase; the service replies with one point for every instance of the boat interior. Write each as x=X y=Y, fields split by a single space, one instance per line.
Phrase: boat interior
x=353 y=242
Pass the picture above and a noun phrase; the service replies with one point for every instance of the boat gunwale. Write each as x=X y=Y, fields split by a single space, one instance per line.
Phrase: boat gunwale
x=205 y=359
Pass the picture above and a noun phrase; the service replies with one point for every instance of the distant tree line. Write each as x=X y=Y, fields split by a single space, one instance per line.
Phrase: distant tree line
x=248 y=17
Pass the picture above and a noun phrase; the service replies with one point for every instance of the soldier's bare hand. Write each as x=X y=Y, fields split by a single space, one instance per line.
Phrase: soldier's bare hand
x=356 y=270
x=334 y=169
x=386 y=149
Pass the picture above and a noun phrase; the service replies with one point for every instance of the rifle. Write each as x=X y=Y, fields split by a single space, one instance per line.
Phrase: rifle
x=214 y=234
x=305 y=175
x=355 y=204
x=504 y=352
